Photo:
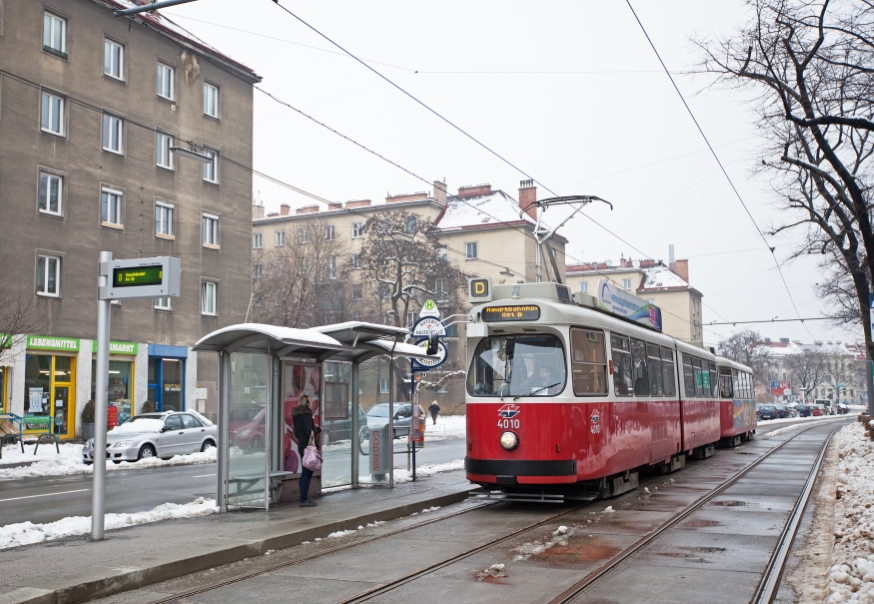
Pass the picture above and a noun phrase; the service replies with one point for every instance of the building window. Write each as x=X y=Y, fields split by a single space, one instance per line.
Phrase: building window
x=257 y=241
x=357 y=230
x=303 y=267
x=331 y=267
x=112 y=133
x=163 y=304
x=626 y=283
x=537 y=278
x=357 y=291
x=329 y=232
x=383 y=385
x=650 y=300
x=210 y=169
x=470 y=250
x=164 y=219
x=412 y=317
x=412 y=225
x=303 y=235
x=48 y=276
x=207 y=298
x=163 y=154
x=444 y=257
x=209 y=230
x=452 y=330
x=110 y=207
x=279 y=238
x=165 y=81
x=51 y=194
x=384 y=291
x=210 y=99
x=356 y=261
x=54 y=34
x=52 y=114
x=113 y=59
x=584 y=286
x=256 y=270
x=536 y=254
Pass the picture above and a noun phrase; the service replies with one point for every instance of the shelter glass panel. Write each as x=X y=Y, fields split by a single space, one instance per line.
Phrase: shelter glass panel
x=247 y=462
x=337 y=425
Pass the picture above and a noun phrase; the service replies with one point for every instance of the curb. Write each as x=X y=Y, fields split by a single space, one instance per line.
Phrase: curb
x=107 y=581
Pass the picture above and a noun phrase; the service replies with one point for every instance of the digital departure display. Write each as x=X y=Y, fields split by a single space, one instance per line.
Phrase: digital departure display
x=519 y=312
x=139 y=275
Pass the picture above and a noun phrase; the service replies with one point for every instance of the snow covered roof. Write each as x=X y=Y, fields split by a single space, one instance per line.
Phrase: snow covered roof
x=780 y=349
x=661 y=276
x=484 y=210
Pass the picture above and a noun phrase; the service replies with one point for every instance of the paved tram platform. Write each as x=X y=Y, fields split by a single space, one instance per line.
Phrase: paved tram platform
x=77 y=569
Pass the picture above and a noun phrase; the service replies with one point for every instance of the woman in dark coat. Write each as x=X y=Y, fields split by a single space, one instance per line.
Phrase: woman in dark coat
x=302 y=416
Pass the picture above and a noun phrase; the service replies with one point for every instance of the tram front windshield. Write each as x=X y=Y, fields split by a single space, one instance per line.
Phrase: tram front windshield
x=517 y=365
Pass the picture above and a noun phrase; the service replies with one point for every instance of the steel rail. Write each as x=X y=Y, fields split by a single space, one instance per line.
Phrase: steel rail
x=570 y=594
x=770 y=583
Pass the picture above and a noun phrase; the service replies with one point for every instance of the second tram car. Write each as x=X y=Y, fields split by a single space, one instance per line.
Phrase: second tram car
x=737 y=413
x=563 y=397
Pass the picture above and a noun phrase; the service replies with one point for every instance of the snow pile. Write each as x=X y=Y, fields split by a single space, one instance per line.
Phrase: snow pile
x=139 y=426
x=428 y=470
x=12 y=453
x=448 y=426
x=557 y=538
x=27 y=533
x=70 y=462
x=851 y=578
x=341 y=533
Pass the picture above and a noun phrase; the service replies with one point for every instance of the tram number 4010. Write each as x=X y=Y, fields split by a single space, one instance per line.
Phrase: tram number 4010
x=508 y=423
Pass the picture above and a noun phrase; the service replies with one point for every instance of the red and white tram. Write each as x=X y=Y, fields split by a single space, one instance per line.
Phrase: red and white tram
x=737 y=413
x=563 y=397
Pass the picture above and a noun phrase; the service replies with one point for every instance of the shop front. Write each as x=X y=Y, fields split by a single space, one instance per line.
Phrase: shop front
x=167 y=376
x=50 y=385
x=5 y=373
x=121 y=379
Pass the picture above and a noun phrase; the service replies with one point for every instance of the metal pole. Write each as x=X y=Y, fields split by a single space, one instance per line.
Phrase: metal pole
x=391 y=420
x=414 y=419
x=149 y=7
x=268 y=429
x=356 y=428
x=224 y=430
x=870 y=366
x=101 y=396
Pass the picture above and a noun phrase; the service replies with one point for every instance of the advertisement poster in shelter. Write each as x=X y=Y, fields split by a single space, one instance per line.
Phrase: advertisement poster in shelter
x=298 y=380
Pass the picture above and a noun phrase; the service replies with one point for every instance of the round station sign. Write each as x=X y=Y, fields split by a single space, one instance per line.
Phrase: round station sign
x=426 y=364
x=426 y=326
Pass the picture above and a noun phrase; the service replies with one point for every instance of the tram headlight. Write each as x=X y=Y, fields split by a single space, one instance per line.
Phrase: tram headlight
x=509 y=441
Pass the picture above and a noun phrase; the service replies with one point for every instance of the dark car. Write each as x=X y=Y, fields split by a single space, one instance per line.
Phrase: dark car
x=341 y=429
x=767 y=412
x=782 y=411
x=377 y=416
x=804 y=410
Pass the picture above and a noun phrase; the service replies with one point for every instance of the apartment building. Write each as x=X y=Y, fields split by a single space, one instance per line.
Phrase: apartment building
x=133 y=136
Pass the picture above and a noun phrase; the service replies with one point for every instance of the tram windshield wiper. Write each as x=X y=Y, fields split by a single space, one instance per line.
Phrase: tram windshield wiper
x=516 y=398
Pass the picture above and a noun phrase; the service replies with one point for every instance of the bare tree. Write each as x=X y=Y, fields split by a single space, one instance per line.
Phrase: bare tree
x=808 y=368
x=810 y=66
x=748 y=348
x=19 y=314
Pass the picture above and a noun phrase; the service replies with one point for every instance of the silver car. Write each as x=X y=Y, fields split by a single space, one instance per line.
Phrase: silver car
x=156 y=435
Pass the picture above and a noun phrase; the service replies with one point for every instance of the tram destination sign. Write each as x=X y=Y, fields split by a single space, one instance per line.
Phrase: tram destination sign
x=156 y=277
x=514 y=312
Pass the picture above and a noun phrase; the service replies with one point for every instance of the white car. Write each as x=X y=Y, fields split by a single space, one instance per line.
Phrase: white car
x=156 y=435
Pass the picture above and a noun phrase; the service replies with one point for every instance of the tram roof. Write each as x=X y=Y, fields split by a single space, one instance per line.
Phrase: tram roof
x=726 y=362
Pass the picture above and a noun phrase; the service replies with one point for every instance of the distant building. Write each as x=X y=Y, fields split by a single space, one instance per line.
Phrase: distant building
x=93 y=109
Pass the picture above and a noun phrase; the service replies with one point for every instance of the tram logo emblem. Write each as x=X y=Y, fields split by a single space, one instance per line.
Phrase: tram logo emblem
x=509 y=411
x=596 y=415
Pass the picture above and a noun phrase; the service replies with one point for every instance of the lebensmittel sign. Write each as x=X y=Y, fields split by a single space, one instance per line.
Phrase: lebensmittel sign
x=52 y=343
x=118 y=347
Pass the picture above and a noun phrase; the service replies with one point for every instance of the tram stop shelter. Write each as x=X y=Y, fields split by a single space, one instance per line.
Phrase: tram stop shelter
x=263 y=372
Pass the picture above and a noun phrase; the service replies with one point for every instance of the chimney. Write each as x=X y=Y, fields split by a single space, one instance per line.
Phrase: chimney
x=784 y=340
x=681 y=269
x=272 y=214
x=284 y=209
x=358 y=203
x=335 y=205
x=474 y=190
x=622 y=262
x=312 y=209
x=671 y=258
x=406 y=197
x=257 y=212
x=527 y=197
x=440 y=192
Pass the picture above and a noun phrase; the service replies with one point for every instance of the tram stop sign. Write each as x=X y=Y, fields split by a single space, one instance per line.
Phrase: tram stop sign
x=157 y=277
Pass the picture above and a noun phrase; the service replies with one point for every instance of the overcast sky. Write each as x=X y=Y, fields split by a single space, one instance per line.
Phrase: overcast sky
x=568 y=91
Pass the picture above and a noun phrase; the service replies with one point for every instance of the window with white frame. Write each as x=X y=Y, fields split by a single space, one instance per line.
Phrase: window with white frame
x=357 y=230
x=444 y=257
x=257 y=269
x=51 y=194
x=329 y=232
x=303 y=267
x=257 y=241
x=210 y=168
x=650 y=300
x=208 y=291
x=536 y=254
x=356 y=261
x=584 y=286
x=537 y=278
x=54 y=34
x=383 y=385
x=331 y=267
x=163 y=154
x=412 y=317
x=113 y=130
x=209 y=229
x=111 y=207
x=162 y=304
x=164 y=219
x=470 y=250
x=626 y=283
x=303 y=235
x=48 y=275
x=279 y=238
x=166 y=81
x=210 y=99
x=113 y=59
x=52 y=113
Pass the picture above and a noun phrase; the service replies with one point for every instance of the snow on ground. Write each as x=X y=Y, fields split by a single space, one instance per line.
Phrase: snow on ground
x=69 y=461
x=27 y=533
x=448 y=426
x=428 y=469
x=851 y=578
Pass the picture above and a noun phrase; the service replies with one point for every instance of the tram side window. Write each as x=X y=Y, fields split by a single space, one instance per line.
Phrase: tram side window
x=638 y=354
x=688 y=376
x=699 y=377
x=668 y=372
x=725 y=390
x=654 y=367
x=748 y=391
x=622 y=365
x=714 y=382
x=735 y=380
x=588 y=362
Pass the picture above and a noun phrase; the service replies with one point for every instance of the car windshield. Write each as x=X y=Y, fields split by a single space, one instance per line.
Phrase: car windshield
x=767 y=409
x=517 y=365
x=378 y=411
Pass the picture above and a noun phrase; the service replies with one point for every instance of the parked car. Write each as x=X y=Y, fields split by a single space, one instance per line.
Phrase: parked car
x=247 y=427
x=377 y=416
x=782 y=411
x=341 y=429
x=155 y=435
x=767 y=412
x=804 y=410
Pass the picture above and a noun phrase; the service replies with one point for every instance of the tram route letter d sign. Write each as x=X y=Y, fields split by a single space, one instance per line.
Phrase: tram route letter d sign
x=480 y=289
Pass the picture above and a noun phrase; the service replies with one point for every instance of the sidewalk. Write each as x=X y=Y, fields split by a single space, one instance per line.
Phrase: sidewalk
x=78 y=569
